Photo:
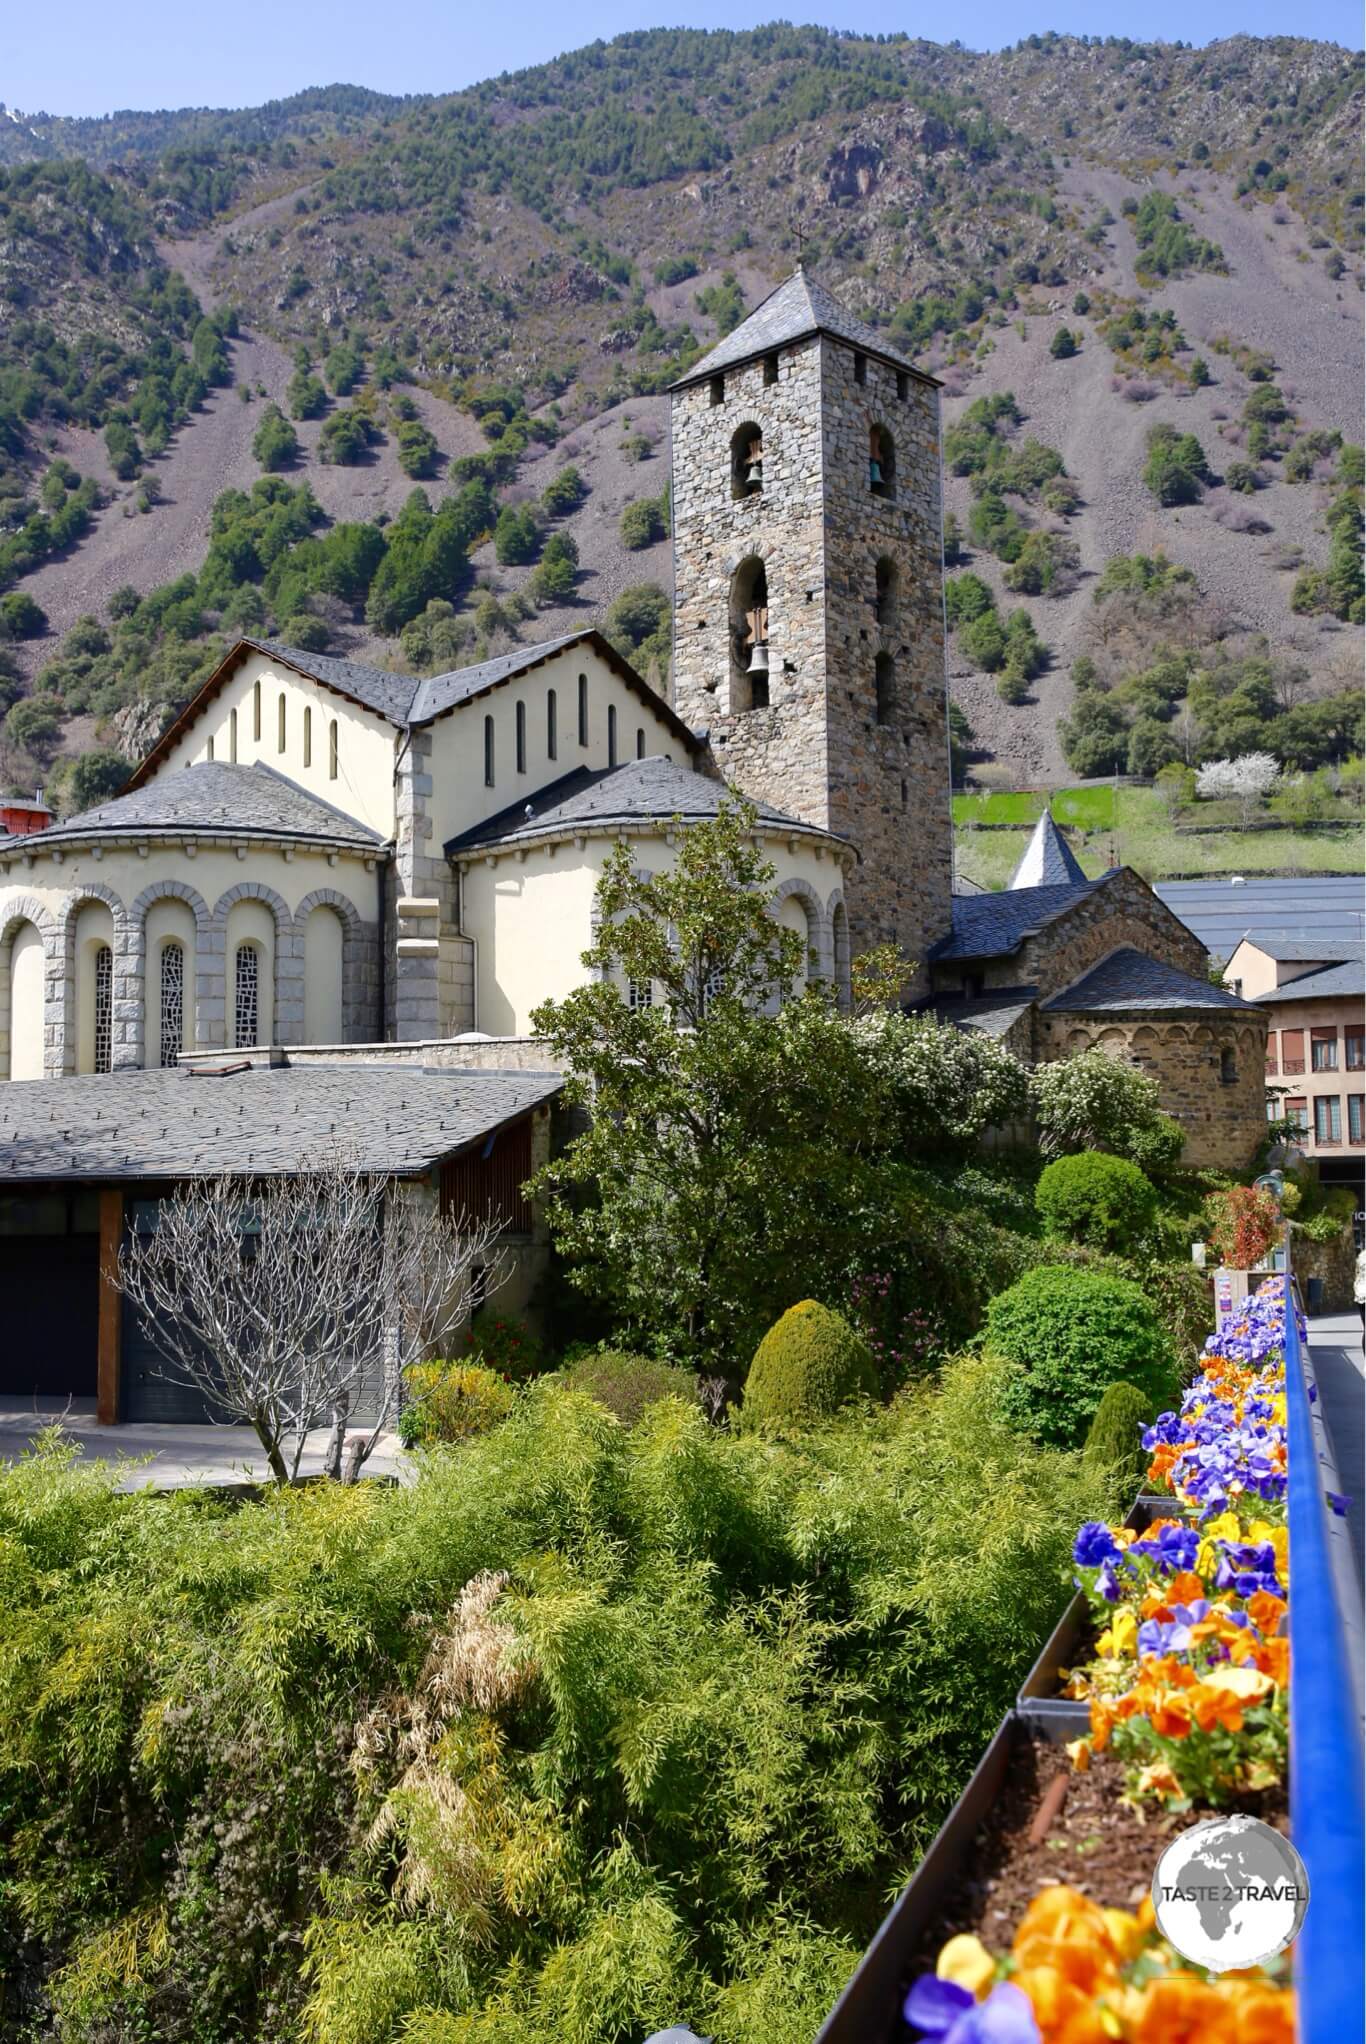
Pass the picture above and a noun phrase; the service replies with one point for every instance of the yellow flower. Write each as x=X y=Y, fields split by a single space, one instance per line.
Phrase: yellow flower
x=1079 y=1753
x=1120 y=1637
x=966 y=1961
x=1126 y=1932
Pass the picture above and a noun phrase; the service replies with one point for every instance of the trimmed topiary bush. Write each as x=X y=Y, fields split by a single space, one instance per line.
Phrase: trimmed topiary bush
x=452 y=1402
x=629 y=1385
x=1071 y=1334
x=1114 y=1448
x=1105 y=1201
x=809 y=1364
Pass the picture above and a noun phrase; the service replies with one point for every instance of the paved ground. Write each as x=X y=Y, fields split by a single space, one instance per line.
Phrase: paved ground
x=172 y=1457
x=1335 y=1344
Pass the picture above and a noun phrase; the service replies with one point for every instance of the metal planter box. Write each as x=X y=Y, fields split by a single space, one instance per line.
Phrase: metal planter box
x=869 y=2010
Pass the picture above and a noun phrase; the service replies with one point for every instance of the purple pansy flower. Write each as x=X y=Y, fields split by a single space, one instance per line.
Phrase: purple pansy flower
x=943 y=2010
x=1094 y=1544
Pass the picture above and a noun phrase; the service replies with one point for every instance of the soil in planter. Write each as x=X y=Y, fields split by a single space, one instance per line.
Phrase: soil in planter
x=1052 y=1824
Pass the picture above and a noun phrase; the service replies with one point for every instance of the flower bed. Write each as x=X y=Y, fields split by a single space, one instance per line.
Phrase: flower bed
x=1186 y=1698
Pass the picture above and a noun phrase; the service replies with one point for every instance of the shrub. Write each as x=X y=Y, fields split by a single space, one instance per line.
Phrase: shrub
x=1090 y=1197
x=1114 y=1448
x=516 y=536
x=642 y=524
x=629 y=1385
x=417 y=449
x=1096 y=1102
x=20 y=616
x=1070 y=1333
x=507 y=1347
x=809 y=1364
x=563 y=493
x=276 y=444
x=1176 y=470
x=1063 y=344
x=1242 y=1223
x=452 y=1402
x=1155 y=1145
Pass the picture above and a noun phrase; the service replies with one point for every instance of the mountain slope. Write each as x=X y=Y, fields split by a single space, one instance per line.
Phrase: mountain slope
x=543 y=253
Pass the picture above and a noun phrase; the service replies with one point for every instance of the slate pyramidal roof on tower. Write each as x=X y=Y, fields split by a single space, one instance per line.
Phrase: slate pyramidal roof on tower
x=796 y=310
x=1047 y=860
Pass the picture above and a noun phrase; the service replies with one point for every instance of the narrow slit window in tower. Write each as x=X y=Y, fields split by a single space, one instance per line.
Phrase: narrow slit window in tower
x=104 y=1008
x=521 y=738
x=583 y=709
x=332 y=750
x=881 y=462
x=860 y=368
x=611 y=734
x=552 y=736
x=488 y=752
x=308 y=735
x=884 y=683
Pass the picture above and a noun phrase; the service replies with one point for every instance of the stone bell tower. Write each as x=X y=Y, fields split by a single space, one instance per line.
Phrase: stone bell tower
x=808 y=606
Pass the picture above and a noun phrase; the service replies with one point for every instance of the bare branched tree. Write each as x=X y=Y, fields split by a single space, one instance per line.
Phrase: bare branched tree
x=292 y=1303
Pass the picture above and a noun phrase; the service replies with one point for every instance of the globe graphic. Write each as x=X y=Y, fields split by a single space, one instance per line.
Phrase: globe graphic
x=1230 y=1893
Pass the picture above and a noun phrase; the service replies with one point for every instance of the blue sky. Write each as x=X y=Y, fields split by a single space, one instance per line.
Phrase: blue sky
x=88 y=57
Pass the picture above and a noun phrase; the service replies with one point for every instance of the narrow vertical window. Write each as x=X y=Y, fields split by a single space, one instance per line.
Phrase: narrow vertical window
x=172 y=1002
x=280 y=724
x=718 y=390
x=640 y=741
x=860 y=368
x=209 y=753
x=104 y=1008
x=521 y=738
x=903 y=385
x=611 y=734
x=552 y=735
x=770 y=369
x=488 y=752
x=308 y=736
x=232 y=735
x=256 y=711
x=246 y=995
x=583 y=709
x=332 y=750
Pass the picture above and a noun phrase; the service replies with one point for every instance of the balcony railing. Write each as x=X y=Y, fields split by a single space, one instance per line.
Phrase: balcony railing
x=1327 y=1820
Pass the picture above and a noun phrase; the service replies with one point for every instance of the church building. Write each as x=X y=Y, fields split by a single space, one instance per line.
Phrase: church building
x=320 y=852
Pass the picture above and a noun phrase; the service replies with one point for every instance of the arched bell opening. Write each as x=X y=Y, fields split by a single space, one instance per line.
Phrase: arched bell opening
x=749 y=648
x=881 y=462
x=746 y=461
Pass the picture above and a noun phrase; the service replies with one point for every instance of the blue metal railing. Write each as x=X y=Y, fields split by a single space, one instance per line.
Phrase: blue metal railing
x=1327 y=1817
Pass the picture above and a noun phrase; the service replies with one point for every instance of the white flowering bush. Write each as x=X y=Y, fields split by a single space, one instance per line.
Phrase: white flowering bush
x=1247 y=780
x=1097 y=1102
x=949 y=1084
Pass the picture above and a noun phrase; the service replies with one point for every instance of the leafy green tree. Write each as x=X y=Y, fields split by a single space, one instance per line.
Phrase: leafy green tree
x=307 y=395
x=95 y=777
x=35 y=723
x=1199 y=373
x=121 y=444
x=347 y=437
x=642 y=524
x=967 y=597
x=1096 y=1102
x=953 y=540
x=1063 y=344
x=276 y=444
x=724 y=303
x=517 y=535
x=694 y=1194
x=1070 y=1334
x=1047 y=564
x=1176 y=470
x=20 y=616
x=344 y=368
x=417 y=449
x=564 y=493
x=1095 y=736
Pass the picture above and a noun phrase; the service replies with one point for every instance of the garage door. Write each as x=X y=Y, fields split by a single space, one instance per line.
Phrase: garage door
x=50 y=1286
x=150 y=1388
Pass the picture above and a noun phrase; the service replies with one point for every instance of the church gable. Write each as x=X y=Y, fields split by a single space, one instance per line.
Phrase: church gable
x=260 y=708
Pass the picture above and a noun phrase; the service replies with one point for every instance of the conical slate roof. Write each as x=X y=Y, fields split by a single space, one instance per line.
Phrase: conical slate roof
x=1047 y=862
x=797 y=308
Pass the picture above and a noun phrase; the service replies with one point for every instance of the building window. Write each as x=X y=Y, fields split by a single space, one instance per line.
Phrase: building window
x=209 y=753
x=640 y=993
x=104 y=1008
x=332 y=750
x=520 y=721
x=280 y=723
x=746 y=461
x=770 y=369
x=1356 y=1047
x=640 y=742
x=488 y=752
x=232 y=734
x=713 y=986
x=246 y=987
x=1297 y=1114
x=903 y=385
x=611 y=734
x=583 y=709
x=1271 y=1053
x=172 y=1002
x=884 y=594
x=1323 y=1050
x=749 y=637
x=884 y=685
x=256 y=711
x=1356 y=1116
x=860 y=368
x=552 y=736
x=1228 y=1068
x=881 y=462
x=717 y=392
x=1292 y=1051
x=1327 y=1119
x=308 y=736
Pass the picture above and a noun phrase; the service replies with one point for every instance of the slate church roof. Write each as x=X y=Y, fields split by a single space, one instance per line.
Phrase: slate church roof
x=1047 y=860
x=216 y=798
x=798 y=308
x=271 y=1121
x=639 y=791
x=1129 y=981
x=994 y=925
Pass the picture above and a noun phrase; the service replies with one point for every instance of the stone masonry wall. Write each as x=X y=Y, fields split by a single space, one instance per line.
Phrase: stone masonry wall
x=1125 y=911
x=1223 y=1121
x=818 y=749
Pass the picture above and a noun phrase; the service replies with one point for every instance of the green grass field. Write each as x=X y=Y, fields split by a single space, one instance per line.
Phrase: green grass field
x=1135 y=829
